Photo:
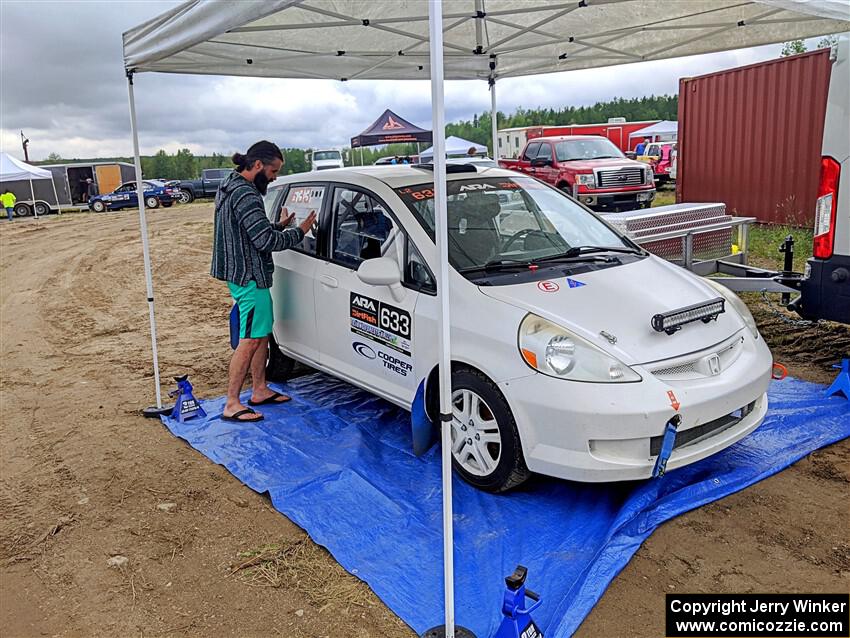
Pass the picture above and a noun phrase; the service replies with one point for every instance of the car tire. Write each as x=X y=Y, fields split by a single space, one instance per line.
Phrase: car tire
x=479 y=409
x=279 y=367
x=151 y=202
x=98 y=206
x=186 y=196
x=22 y=210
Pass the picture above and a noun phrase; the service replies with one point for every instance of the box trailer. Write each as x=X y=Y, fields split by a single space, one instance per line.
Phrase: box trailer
x=513 y=140
x=70 y=182
x=751 y=137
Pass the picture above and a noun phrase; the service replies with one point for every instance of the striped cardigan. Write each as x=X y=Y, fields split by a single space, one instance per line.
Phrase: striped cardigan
x=244 y=238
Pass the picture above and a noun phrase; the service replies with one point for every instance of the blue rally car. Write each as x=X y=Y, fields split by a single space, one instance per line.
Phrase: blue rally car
x=156 y=192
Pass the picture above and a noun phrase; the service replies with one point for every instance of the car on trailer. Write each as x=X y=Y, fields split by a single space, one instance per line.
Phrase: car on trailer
x=572 y=348
x=157 y=193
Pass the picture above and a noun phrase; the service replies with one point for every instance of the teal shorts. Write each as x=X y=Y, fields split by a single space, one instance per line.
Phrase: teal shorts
x=255 y=310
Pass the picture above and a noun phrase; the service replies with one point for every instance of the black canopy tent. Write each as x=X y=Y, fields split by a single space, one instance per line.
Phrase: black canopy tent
x=390 y=129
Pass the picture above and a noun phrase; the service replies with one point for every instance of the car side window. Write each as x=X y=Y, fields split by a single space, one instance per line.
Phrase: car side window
x=531 y=151
x=301 y=199
x=362 y=229
x=545 y=152
x=416 y=272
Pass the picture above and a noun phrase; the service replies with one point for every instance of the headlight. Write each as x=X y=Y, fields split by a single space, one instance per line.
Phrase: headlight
x=586 y=179
x=739 y=306
x=649 y=177
x=557 y=352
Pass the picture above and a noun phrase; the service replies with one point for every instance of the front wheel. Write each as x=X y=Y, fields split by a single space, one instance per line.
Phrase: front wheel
x=486 y=450
x=186 y=196
x=98 y=206
x=151 y=202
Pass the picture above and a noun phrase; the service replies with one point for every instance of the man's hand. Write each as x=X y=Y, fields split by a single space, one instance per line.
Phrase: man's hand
x=309 y=223
x=285 y=218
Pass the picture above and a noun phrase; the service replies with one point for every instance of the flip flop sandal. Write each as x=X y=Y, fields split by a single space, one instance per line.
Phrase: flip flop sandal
x=272 y=399
x=235 y=416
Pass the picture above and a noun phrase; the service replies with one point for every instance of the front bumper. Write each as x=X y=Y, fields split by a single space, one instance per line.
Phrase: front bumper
x=600 y=432
x=614 y=201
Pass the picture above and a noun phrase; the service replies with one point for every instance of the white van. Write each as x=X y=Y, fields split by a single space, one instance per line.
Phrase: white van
x=572 y=346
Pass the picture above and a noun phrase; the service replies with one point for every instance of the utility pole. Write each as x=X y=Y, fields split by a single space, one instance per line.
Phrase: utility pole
x=24 y=143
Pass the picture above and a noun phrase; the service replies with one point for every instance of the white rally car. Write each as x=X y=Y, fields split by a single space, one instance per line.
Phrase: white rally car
x=572 y=347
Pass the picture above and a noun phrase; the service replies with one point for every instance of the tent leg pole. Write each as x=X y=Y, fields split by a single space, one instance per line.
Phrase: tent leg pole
x=140 y=192
x=435 y=24
x=493 y=114
x=32 y=194
x=56 y=195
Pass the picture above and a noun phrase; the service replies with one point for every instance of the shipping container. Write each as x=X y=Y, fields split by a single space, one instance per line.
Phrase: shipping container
x=751 y=137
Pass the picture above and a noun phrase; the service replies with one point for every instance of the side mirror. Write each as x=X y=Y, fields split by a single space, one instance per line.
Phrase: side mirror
x=631 y=155
x=307 y=157
x=382 y=271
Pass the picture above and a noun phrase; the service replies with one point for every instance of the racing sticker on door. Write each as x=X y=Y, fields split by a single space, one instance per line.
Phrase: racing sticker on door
x=382 y=323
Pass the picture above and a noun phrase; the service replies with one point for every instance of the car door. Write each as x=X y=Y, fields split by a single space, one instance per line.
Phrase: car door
x=529 y=154
x=547 y=173
x=126 y=196
x=366 y=333
x=294 y=272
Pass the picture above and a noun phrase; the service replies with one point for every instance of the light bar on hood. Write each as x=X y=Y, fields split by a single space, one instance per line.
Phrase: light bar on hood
x=672 y=321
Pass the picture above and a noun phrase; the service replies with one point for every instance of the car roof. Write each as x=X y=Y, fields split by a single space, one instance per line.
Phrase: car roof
x=568 y=138
x=393 y=175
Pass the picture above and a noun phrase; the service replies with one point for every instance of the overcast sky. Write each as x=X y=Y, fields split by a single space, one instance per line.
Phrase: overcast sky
x=62 y=83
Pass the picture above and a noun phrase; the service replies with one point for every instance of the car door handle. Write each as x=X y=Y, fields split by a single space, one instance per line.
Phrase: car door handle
x=329 y=281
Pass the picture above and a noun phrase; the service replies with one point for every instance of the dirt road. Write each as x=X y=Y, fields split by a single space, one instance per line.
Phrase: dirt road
x=85 y=482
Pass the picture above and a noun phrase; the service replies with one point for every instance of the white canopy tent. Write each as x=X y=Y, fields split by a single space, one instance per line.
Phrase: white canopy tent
x=455 y=146
x=474 y=39
x=13 y=169
x=663 y=130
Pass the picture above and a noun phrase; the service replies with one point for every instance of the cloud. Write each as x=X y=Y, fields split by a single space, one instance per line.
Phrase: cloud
x=62 y=82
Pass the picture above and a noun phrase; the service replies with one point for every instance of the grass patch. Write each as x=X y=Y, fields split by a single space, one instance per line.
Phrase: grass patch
x=664 y=198
x=305 y=567
x=765 y=240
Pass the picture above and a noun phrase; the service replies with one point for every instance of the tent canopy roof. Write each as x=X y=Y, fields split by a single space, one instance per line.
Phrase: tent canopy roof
x=664 y=127
x=389 y=129
x=456 y=146
x=388 y=39
x=12 y=168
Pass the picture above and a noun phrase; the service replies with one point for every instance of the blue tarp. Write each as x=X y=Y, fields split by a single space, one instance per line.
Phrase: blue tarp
x=337 y=461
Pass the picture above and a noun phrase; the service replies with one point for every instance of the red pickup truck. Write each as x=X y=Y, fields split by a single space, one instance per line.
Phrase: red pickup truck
x=590 y=169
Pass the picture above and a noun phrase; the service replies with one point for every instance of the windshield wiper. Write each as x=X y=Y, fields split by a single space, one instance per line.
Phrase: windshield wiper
x=498 y=264
x=586 y=250
x=605 y=157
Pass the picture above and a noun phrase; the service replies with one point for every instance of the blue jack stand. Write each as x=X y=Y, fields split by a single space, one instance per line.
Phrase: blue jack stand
x=186 y=406
x=517 y=622
x=667 y=444
x=841 y=385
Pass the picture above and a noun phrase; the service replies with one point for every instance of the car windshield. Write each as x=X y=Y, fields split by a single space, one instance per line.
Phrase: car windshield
x=326 y=155
x=510 y=220
x=586 y=149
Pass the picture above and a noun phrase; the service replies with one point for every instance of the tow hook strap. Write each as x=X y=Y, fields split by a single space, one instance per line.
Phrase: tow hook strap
x=667 y=444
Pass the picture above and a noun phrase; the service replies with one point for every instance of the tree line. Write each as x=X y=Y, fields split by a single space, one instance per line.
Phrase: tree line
x=185 y=165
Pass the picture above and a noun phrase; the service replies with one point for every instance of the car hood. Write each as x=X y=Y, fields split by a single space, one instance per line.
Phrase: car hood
x=621 y=302
x=589 y=165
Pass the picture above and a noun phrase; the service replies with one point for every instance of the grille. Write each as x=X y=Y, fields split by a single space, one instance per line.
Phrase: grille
x=692 y=370
x=621 y=177
x=686 y=437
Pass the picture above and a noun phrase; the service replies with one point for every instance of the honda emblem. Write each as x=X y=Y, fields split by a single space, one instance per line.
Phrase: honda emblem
x=714 y=365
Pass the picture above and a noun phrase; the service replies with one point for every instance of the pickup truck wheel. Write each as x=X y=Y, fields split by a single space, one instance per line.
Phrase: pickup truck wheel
x=279 y=367
x=22 y=210
x=151 y=202
x=486 y=450
x=98 y=206
x=186 y=196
